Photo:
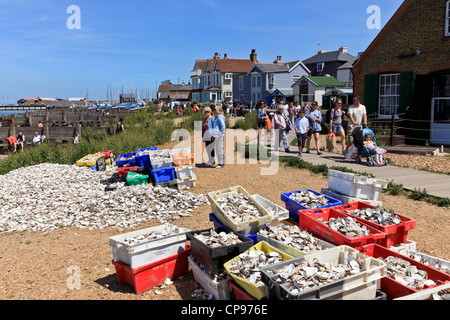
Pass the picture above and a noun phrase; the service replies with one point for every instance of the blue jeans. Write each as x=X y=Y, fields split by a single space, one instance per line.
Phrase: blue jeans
x=282 y=135
x=337 y=127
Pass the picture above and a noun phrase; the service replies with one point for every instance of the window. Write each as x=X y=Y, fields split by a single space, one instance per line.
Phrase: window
x=256 y=81
x=447 y=19
x=389 y=94
x=320 y=66
x=271 y=78
x=241 y=82
x=228 y=76
x=295 y=79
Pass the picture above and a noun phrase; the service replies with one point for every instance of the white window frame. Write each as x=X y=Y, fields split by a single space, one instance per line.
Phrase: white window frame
x=389 y=92
x=447 y=19
x=228 y=94
x=321 y=65
x=295 y=78
x=271 y=78
x=228 y=76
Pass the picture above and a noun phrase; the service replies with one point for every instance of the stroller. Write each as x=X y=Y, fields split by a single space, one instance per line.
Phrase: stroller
x=358 y=140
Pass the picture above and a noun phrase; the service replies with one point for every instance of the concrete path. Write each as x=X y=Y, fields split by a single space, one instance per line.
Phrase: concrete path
x=436 y=184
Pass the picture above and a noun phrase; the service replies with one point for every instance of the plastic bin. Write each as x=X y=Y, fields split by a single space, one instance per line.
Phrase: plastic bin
x=361 y=285
x=182 y=159
x=156 y=164
x=251 y=226
x=143 y=160
x=294 y=206
x=395 y=234
x=426 y=294
x=123 y=171
x=91 y=160
x=395 y=289
x=154 y=274
x=139 y=254
x=308 y=221
x=184 y=171
x=186 y=183
x=134 y=179
x=237 y=293
x=162 y=175
x=167 y=184
x=214 y=258
x=256 y=291
x=126 y=160
x=437 y=263
x=219 y=289
x=283 y=213
x=355 y=185
x=108 y=154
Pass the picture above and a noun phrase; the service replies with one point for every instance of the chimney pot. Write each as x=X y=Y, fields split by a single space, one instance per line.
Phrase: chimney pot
x=343 y=49
x=321 y=51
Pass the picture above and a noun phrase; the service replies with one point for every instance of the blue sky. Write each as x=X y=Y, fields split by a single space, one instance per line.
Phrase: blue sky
x=139 y=43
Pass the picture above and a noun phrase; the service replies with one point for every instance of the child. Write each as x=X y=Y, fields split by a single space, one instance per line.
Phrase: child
x=373 y=149
x=301 y=126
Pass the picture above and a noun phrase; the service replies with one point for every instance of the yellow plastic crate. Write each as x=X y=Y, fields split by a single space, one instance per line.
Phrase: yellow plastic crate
x=89 y=160
x=256 y=291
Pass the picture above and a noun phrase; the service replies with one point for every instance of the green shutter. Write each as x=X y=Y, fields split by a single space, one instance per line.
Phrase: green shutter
x=371 y=93
x=406 y=91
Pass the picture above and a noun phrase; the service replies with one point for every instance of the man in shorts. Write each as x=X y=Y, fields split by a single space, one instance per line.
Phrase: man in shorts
x=357 y=115
x=301 y=126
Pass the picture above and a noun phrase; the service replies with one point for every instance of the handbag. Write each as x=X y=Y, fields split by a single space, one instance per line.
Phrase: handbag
x=268 y=123
x=352 y=152
x=331 y=141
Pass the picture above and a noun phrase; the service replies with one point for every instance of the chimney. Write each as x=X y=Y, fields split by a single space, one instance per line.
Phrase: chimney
x=216 y=55
x=254 y=56
x=183 y=82
x=225 y=55
x=343 y=49
x=278 y=61
x=321 y=51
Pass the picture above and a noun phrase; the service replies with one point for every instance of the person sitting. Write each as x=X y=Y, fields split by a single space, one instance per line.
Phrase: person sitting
x=374 y=149
x=20 y=141
x=36 y=138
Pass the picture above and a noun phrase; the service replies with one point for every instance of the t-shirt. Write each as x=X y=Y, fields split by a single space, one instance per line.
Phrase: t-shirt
x=357 y=113
x=336 y=116
x=302 y=124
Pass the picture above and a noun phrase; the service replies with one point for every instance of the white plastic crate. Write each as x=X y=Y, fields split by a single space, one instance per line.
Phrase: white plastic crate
x=403 y=248
x=354 y=185
x=371 y=271
x=219 y=290
x=160 y=164
x=283 y=213
x=347 y=199
x=186 y=183
x=145 y=252
x=247 y=227
x=436 y=263
x=184 y=171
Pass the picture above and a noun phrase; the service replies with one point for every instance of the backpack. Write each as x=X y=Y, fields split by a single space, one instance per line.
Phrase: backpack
x=119 y=126
x=328 y=115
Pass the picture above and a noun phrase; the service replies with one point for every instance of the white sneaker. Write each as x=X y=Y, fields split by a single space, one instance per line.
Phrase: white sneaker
x=219 y=166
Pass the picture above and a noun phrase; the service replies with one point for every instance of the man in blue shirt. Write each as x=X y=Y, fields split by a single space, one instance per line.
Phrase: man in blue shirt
x=301 y=126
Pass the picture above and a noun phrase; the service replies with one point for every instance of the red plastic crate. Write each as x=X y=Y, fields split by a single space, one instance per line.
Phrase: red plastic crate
x=394 y=289
x=239 y=293
x=395 y=234
x=107 y=153
x=308 y=220
x=146 y=277
x=123 y=171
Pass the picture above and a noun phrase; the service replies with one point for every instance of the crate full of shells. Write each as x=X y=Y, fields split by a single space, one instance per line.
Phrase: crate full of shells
x=235 y=208
x=213 y=247
x=277 y=212
x=245 y=269
x=405 y=275
x=395 y=226
x=126 y=160
x=338 y=228
x=337 y=273
x=306 y=199
x=143 y=156
x=90 y=160
x=142 y=247
x=160 y=159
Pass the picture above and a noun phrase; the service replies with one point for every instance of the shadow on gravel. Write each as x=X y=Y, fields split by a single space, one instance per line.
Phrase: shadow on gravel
x=112 y=284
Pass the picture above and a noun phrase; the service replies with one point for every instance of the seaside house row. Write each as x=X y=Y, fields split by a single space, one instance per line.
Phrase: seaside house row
x=405 y=72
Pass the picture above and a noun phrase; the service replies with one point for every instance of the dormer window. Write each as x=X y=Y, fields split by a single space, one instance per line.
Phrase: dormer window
x=320 y=66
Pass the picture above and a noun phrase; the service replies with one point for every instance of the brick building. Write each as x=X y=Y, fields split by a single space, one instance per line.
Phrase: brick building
x=405 y=71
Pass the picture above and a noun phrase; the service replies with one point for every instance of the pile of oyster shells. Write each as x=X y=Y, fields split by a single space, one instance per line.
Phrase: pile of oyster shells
x=220 y=239
x=309 y=199
x=247 y=265
x=153 y=235
x=306 y=274
x=347 y=226
x=443 y=294
x=159 y=155
x=434 y=263
x=409 y=275
x=89 y=159
x=127 y=158
x=49 y=196
x=292 y=236
x=144 y=152
x=239 y=207
x=377 y=215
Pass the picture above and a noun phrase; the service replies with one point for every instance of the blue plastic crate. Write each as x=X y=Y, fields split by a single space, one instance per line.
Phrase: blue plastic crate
x=126 y=163
x=144 y=161
x=294 y=206
x=162 y=175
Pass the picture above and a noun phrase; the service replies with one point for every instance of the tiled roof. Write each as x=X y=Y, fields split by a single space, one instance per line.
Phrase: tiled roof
x=235 y=65
x=165 y=88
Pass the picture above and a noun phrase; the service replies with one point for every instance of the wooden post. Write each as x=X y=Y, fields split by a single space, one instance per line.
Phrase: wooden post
x=392 y=130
